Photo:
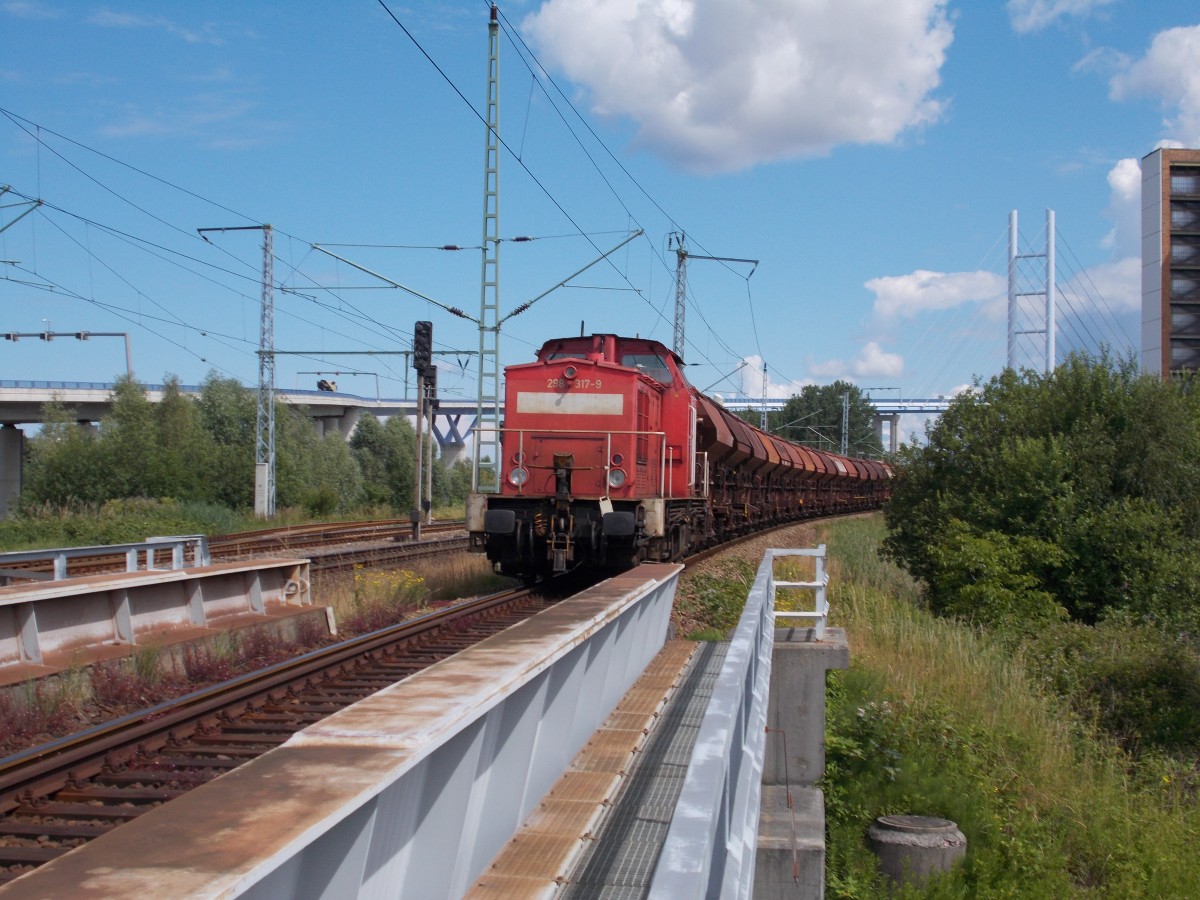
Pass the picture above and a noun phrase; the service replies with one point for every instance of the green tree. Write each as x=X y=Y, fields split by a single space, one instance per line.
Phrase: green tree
x=1084 y=484
x=183 y=467
x=814 y=418
x=130 y=445
x=228 y=411
x=316 y=472
x=61 y=462
x=386 y=456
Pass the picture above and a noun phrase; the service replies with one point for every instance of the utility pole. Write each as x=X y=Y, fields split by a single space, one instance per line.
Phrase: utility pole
x=264 y=428
x=677 y=240
x=762 y=417
x=487 y=413
x=845 y=422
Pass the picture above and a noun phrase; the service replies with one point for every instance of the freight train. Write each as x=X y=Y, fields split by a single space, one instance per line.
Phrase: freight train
x=609 y=458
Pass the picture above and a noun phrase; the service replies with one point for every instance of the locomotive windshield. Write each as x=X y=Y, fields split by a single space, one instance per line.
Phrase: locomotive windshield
x=650 y=364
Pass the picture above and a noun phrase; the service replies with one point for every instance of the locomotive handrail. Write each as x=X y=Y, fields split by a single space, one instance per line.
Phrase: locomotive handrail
x=608 y=434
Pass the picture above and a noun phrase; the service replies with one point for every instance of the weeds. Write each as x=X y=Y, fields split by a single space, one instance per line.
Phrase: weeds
x=936 y=718
x=712 y=603
x=382 y=597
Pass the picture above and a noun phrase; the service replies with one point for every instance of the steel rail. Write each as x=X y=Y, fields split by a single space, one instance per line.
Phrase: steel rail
x=83 y=754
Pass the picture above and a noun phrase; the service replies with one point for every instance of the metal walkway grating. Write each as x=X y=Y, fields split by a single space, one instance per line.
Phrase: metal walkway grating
x=620 y=862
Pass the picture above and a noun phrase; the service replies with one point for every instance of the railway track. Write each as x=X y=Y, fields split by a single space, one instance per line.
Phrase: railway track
x=332 y=547
x=61 y=795
x=58 y=796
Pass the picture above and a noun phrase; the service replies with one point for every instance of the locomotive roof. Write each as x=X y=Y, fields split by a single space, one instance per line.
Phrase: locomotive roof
x=585 y=343
x=651 y=358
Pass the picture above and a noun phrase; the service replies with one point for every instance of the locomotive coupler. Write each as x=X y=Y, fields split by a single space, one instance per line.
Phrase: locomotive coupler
x=563 y=464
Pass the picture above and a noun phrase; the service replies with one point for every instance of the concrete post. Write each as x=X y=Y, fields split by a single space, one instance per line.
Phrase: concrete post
x=12 y=453
x=796 y=708
x=790 y=861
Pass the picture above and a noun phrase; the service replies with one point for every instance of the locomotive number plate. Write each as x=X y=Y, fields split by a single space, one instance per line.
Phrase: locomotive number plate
x=580 y=384
x=570 y=404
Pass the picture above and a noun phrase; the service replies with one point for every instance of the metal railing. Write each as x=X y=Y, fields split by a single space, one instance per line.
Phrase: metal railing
x=143 y=555
x=820 y=613
x=665 y=471
x=710 y=846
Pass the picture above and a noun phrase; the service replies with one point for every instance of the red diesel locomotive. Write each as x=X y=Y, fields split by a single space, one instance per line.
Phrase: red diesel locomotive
x=609 y=457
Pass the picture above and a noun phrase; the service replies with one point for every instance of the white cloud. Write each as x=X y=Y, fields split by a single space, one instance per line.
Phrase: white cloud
x=751 y=381
x=220 y=120
x=874 y=362
x=1114 y=287
x=1125 y=207
x=923 y=290
x=1033 y=15
x=727 y=84
x=107 y=18
x=22 y=9
x=1170 y=73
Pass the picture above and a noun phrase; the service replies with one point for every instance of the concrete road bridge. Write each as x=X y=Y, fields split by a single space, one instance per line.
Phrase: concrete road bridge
x=23 y=403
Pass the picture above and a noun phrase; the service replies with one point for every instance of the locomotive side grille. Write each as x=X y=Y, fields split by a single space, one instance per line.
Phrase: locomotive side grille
x=643 y=425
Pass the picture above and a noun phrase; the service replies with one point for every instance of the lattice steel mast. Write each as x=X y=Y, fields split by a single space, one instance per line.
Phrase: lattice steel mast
x=264 y=442
x=678 y=240
x=264 y=426
x=681 y=255
x=486 y=471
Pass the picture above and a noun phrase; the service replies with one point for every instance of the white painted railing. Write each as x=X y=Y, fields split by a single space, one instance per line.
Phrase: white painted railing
x=710 y=847
x=820 y=613
x=709 y=850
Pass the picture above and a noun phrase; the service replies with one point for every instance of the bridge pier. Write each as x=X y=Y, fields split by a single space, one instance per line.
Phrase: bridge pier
x=893 y=421
x=12 y=454
x=790 y=858
x=451 y=442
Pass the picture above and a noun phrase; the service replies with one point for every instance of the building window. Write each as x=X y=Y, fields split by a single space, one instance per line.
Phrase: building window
x=1185 y=181
x=1185 y=287
x=1184 y=252
x=1185 y=217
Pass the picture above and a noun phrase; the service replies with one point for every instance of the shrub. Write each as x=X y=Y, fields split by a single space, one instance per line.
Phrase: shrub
x=1136 y=684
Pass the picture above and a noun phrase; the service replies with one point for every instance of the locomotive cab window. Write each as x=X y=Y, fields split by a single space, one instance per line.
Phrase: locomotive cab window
x=649 y=364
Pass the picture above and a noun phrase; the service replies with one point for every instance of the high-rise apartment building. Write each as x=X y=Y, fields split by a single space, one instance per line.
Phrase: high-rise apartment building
x=1171 y=261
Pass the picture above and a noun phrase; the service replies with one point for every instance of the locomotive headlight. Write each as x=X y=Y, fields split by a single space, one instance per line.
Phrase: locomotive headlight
x=616 y=478
x=518 y=476
x=569 y=372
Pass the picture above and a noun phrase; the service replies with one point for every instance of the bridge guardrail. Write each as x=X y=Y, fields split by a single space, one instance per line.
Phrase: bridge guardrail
x=148 y=550
x=710 y=846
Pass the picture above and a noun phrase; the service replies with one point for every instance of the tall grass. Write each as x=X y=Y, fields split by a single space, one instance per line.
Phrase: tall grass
x=372 y=598
x=936 y=718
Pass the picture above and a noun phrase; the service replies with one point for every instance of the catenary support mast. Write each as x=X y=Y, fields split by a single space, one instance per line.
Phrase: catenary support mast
x=486 y=471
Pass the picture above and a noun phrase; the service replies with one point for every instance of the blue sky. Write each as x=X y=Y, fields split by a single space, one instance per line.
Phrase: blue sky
x=866 y=152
